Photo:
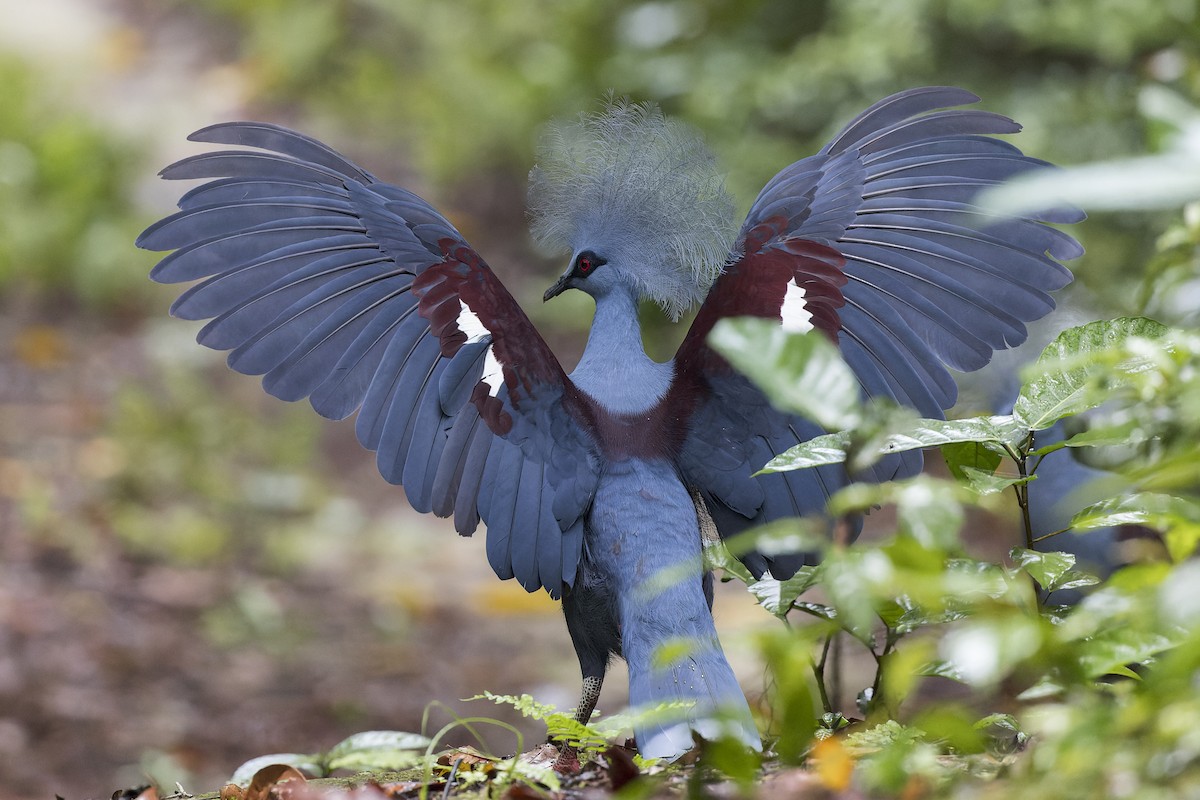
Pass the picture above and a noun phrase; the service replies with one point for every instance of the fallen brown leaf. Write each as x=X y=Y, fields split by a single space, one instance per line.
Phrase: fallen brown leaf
x=270 y=777
x=468 y=759
x=403 y=787
x=146 y=792
x=621 y=767
x=521 y=791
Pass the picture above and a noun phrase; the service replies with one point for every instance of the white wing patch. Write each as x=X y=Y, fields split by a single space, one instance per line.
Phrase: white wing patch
x=795 y=313
x=468 y=323
x=493 y=373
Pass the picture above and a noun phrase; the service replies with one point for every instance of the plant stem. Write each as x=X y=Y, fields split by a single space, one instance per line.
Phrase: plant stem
x=1023 y=490
x=889 y=644
x=1051 y=534
x=1021 y=457
x=835 y=683
x=818 y=669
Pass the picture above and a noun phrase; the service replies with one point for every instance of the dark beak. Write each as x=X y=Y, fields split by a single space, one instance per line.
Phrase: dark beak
x=558 y=288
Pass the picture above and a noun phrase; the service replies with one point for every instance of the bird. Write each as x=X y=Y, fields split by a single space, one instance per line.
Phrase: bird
x=593 y=485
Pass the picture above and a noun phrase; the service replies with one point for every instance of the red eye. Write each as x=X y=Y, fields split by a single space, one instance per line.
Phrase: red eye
x=585 y=264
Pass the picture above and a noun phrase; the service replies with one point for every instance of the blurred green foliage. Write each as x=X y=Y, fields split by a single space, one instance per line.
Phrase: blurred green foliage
x=202 y=486
x=66 y=210
x=1102 y=692
x=456 y=91
x=1171 y=290
x=463 y=87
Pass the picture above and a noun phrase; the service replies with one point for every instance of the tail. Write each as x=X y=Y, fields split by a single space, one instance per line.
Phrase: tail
x=679 y=677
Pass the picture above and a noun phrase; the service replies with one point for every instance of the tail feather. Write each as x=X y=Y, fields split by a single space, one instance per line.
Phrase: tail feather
x=645 y=545
x=696 y=692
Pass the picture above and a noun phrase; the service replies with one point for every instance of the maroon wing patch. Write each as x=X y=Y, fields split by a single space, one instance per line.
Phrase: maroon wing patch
x=759 y=282
x=464 y=302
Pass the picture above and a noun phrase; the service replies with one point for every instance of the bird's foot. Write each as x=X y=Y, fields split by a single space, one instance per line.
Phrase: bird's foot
x=567 y=762
x=563 y=759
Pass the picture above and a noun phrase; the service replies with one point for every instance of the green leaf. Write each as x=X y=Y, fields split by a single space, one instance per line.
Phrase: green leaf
x=978 y=578
x=1004 y=722
x=941 y=669
x=970 y=455
x=853 y=578
x=564 y=728
x=986 y=483
x=1178 y=594
x=1045 y=687
x=930 y=512
x=728 y=755
x=801 y=373
x=1182 y=540
x=1103 y=436
x=1079 y=370
x=717 y=555
x=377 y=750
x=523 y=703
x=1053 y=570
x=1046 y=568
x=819 y=610
x=788 y=655
x=886 y=734
x=1158 y=181
x=1152 y=509
x=816 y=452
x=793 y=535
x=778 y=596
x=921 y=433
x=871 y=440
x=928 y=509
x=915 y=617
x=1001 y=429
x=1004 y=734
x=534 y=774
x=1110 y=651
x=1074 y=579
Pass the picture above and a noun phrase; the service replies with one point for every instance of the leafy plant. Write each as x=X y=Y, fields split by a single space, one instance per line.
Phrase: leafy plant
x=410 y=756
x=370 y=750
x=923 y=609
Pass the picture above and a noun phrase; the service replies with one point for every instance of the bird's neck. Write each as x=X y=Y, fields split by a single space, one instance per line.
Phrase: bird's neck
x=615 y=369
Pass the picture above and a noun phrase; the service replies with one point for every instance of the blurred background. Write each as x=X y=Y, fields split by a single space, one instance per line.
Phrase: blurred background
x=193 y=573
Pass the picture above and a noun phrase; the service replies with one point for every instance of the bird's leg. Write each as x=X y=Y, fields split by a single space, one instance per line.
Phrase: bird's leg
x=583 y=715
x=587 y=701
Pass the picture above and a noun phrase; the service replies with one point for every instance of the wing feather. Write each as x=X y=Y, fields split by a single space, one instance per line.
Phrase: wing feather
x=362 y=297
x=897 y=265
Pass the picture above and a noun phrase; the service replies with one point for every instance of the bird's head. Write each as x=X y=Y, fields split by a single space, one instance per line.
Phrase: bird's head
x=579 y=276
x=637 y=201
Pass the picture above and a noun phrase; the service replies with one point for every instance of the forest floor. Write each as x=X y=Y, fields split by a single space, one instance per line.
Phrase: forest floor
x=138 y=641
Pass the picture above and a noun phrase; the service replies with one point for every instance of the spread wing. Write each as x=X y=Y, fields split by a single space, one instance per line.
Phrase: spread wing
x=877 y=243
x=360 y=296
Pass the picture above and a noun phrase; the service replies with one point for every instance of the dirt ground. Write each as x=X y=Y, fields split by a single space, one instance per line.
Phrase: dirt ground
x=119 y=661
x=113 y=663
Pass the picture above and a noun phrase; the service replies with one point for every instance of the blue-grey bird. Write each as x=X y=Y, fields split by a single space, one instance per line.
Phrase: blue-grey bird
x=360 y=296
